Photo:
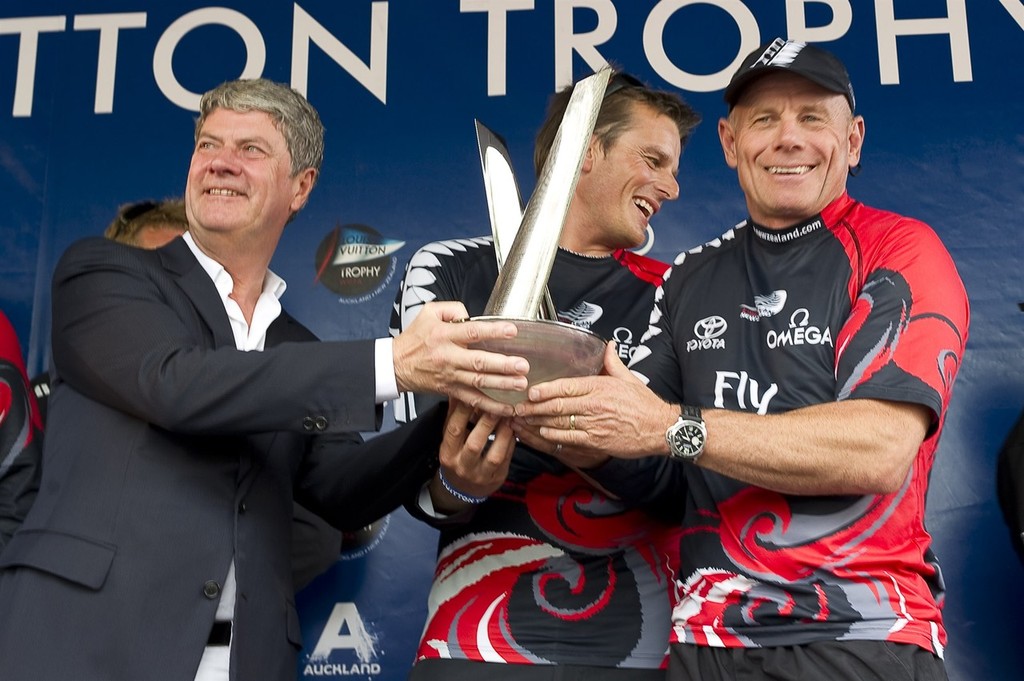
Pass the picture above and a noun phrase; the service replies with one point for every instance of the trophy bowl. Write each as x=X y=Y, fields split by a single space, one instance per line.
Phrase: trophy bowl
x=553 y=349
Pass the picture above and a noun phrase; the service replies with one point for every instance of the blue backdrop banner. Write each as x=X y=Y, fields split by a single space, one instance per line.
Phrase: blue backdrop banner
x=97 y=108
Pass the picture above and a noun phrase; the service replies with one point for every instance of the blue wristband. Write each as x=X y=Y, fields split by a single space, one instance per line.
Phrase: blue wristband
x=461 y=496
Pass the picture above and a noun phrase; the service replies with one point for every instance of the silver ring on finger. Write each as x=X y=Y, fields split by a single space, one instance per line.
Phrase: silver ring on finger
x=558 y=448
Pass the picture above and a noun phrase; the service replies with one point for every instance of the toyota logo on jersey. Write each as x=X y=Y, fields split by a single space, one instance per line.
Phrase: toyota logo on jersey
x=707 y=334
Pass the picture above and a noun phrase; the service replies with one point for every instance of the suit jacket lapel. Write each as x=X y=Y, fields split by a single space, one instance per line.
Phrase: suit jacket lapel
x=178 y=259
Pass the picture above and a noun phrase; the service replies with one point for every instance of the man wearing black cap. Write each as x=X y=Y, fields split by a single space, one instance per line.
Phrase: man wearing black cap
x=801 y=365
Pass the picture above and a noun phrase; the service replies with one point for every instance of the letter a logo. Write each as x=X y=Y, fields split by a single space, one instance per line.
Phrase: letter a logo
x=345 y=631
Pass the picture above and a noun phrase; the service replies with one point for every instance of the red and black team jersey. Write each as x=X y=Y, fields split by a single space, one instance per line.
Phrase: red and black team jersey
x=854 y=303
x=548 y=570
x=20 y=436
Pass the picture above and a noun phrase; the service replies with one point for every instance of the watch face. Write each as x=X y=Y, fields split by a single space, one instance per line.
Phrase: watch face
x=688 y=439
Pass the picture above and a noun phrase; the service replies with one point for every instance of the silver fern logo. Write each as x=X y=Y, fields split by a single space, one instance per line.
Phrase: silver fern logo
x=583 y=315
x=767 y=305
x=787 y=54
x=779 y=53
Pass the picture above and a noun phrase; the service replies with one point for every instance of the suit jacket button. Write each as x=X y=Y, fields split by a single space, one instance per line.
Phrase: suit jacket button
x=308 y=424
x=243 y=507
x=211 y=589
x=321 y=423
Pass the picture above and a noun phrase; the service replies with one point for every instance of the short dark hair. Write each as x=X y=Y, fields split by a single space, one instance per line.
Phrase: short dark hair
x=623 y=95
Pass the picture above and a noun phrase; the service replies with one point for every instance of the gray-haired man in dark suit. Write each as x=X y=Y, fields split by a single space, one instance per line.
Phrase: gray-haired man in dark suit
x=188 y=409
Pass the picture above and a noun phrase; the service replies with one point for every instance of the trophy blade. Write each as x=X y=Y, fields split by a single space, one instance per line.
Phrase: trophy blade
x=504 y=202
x=522 y=280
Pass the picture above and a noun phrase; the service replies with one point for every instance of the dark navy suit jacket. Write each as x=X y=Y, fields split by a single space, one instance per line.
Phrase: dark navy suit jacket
x=168 y=454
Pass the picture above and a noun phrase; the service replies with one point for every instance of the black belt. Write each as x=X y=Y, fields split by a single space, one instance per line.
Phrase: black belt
x=220 y=634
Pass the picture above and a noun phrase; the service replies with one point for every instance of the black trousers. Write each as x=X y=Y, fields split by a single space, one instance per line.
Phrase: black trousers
x=465 y=670
x=831 y=660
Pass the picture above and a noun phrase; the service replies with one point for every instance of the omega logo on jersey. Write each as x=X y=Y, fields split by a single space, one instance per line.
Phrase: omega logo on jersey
x=767 y=305
x=799 y=332
x=623 y=338
x=708 y=332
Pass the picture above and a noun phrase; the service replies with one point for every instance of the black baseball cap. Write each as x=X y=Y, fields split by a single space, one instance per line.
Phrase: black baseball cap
x=813 y=63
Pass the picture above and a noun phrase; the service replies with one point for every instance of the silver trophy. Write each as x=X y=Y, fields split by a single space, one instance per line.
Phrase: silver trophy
x=525 y=244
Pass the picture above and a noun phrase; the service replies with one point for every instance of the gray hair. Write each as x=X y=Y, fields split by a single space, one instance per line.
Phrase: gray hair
x=293 y=116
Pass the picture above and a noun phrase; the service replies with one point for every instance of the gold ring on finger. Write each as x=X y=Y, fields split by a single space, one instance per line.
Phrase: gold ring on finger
x=572 y=421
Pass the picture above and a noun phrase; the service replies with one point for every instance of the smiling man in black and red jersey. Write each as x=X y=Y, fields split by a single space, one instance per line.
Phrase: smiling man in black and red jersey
x=547 y=576
x=801 y=365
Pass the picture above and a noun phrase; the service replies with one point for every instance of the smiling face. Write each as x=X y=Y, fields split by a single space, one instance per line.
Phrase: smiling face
x=623 y=186
x=239 y=182
x=792 y=144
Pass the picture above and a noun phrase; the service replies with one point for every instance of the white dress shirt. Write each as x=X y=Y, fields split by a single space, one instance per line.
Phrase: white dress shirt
x=215 y=664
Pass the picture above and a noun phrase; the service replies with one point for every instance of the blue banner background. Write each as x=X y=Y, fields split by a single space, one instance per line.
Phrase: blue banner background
x=941 y=146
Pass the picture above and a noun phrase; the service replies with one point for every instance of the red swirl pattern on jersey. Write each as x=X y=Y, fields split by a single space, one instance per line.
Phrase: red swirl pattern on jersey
x=762 y=568
x=587 y=569
x=549 y=570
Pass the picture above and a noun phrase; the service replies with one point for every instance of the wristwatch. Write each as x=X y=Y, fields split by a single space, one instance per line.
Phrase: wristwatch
x=686 y=436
